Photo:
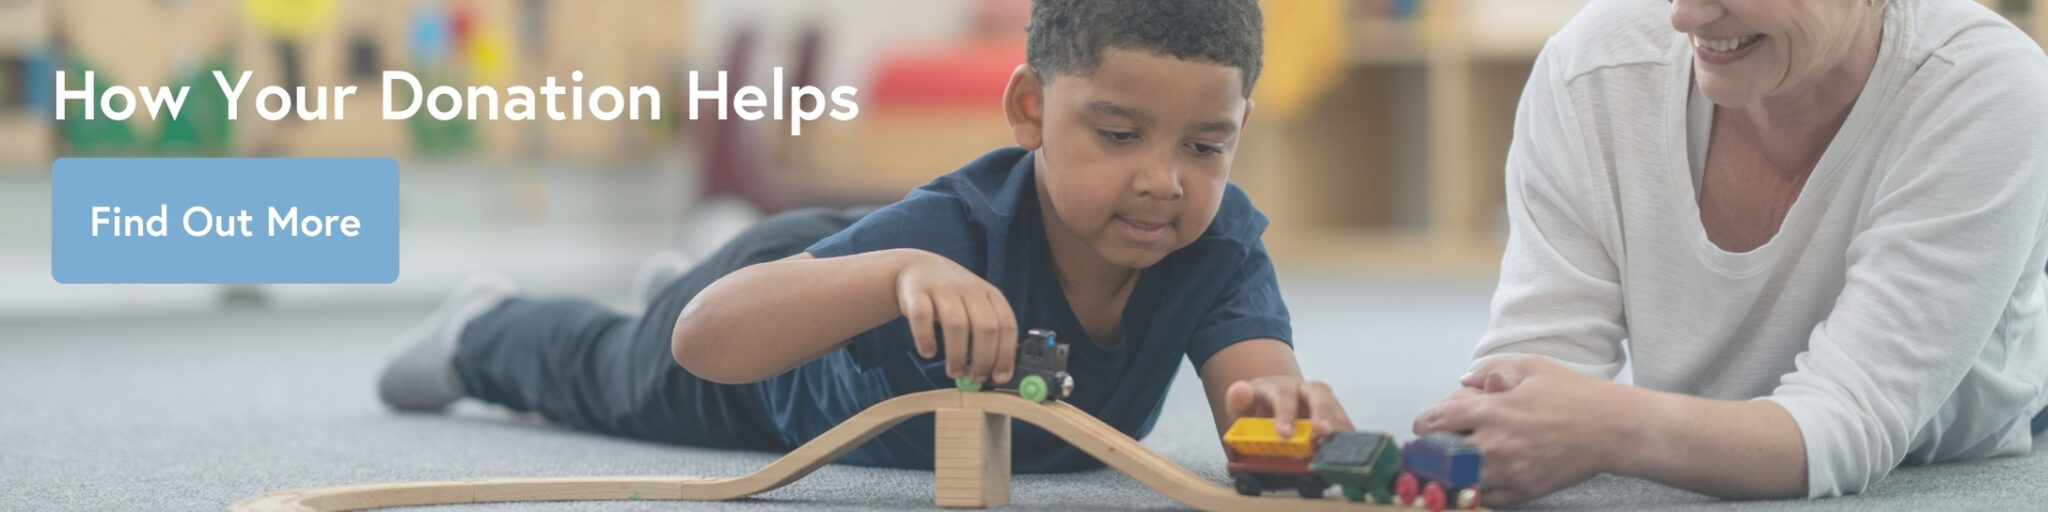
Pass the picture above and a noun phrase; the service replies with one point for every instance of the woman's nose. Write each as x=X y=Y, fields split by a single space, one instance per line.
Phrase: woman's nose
x=1690 y=15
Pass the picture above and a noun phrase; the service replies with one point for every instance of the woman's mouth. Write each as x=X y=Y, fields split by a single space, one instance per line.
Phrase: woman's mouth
x=1724 y=51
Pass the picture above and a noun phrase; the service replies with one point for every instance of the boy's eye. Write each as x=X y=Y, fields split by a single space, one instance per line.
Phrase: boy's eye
x=1205 y=149
x=1116 y=135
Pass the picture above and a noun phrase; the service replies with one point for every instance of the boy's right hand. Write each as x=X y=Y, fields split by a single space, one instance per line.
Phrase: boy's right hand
x=979 y=327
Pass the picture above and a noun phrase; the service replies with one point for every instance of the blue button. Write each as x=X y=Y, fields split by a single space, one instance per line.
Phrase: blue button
x=224 y=220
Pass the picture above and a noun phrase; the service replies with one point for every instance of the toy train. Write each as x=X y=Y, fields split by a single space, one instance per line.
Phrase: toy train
x=1041 y=372
x=1425 y=473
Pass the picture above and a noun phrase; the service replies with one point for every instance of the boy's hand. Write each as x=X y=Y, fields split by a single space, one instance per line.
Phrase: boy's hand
x=1281 y=397
x=979 y=328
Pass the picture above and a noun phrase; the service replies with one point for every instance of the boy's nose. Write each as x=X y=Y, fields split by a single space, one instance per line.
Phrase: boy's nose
x=1159 y=179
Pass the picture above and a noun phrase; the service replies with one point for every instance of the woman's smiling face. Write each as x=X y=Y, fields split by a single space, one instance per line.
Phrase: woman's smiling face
x=1746 y=50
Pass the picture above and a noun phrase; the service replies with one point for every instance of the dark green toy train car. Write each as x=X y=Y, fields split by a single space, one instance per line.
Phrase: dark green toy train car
x=1363 y=463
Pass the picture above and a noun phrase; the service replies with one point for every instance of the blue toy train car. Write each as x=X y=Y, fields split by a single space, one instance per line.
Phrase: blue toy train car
x=1436 y=467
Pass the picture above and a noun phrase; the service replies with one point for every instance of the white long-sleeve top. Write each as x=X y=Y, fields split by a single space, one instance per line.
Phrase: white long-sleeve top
x=1894 y=314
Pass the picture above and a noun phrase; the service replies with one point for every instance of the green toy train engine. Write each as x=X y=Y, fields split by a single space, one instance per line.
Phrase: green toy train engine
x=1041 y=373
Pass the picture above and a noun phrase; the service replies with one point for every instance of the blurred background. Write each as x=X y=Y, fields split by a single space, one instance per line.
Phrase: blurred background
x=1376 y=150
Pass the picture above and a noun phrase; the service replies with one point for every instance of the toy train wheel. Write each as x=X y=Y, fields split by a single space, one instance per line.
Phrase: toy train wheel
x=1433 y=497
x=1406 y=489
x=1247 y=484
x=1032 y=388
x=966 y=383
x=1468 y=498
x=1311 y=486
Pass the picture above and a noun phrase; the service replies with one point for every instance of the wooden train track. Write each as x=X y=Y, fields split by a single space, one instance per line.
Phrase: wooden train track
x=971 y=462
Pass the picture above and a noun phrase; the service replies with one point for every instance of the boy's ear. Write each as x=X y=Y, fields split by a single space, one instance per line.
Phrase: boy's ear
x=1024 y=107
x=1247 y=121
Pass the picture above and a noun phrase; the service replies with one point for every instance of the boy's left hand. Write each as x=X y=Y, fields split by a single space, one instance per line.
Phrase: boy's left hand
x=1283 y=398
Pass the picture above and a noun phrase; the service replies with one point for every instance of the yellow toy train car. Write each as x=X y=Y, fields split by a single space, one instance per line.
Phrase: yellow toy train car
x=1260 y=459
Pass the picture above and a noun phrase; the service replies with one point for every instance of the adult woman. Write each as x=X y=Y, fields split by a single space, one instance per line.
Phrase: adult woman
x=1817 y=223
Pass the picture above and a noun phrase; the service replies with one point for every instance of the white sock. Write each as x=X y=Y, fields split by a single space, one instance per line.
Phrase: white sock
x=419 y=373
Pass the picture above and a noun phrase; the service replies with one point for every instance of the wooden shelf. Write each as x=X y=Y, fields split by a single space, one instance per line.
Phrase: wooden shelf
x=1491 y=29
x=24 y=25
x=25 y=139
x=2037 y=21
x=1399 y=167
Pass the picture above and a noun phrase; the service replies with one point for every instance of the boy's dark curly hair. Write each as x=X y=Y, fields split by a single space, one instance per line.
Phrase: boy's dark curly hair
x=1068 y=36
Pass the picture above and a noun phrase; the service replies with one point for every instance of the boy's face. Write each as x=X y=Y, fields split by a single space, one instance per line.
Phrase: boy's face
x=1132 y=158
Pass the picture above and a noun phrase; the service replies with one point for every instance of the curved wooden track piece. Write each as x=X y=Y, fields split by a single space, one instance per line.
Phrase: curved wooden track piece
x=1075 y=426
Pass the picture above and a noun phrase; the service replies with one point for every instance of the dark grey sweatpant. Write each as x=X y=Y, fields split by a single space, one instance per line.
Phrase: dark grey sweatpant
x=582 y=365
x=2040 y=422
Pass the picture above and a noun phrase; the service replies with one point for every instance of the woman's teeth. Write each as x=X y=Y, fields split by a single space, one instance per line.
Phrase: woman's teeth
x=1727 y=45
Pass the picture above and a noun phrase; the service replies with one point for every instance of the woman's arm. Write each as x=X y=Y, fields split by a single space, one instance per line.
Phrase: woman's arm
x=1728 y=448
x=1545 y=427
x=1559 y=294
x=1945 y=267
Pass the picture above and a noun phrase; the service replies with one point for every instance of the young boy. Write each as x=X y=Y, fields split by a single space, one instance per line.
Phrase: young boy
x=1114 y=225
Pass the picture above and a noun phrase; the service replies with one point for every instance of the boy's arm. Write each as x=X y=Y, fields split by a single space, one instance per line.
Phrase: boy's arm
x=1258 y=377
x=765 y=319
x=809 y=306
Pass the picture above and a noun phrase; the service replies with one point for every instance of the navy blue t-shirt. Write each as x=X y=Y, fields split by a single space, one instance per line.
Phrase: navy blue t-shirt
x=1218 y=290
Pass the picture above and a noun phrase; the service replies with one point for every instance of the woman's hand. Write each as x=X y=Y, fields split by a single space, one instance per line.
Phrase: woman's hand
x=1282 y=397
x=979 y=327
x=1540 y=426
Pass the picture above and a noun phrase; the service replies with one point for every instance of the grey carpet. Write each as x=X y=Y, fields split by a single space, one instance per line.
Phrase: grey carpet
x=198 y=413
